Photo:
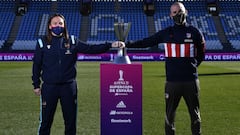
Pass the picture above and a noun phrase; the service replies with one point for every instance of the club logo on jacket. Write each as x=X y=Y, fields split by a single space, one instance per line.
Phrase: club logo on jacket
x=48 y=46
x=188 y=38
x=188 y=35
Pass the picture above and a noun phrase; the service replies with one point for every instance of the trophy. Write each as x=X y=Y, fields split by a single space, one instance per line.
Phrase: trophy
x=121 y=31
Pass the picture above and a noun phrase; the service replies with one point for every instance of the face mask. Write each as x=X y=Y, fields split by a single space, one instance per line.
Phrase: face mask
x=57 y=30
x=179 y=18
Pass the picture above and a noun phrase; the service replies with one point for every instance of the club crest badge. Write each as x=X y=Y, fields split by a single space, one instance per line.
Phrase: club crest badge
x=188 y=35
x=48 y=46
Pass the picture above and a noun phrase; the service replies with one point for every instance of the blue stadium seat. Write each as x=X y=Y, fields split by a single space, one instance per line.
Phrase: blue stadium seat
x=7 y=6
x=40 y=6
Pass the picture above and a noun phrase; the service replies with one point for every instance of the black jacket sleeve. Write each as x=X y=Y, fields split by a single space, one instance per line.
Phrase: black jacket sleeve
x=200 y=48
x=146 y=42
x=37 y=67
x=83 y=47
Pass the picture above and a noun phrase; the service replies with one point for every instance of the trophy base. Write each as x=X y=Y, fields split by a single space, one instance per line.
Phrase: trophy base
x=121 y=60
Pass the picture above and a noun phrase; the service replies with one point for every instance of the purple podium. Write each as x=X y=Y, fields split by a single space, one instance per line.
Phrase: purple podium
x=121 y=99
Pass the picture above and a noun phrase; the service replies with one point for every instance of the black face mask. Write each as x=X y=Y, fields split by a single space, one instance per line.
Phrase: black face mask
x=179 y=18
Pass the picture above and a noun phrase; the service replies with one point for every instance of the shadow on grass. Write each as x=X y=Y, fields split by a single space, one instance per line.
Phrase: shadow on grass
x=208 y=74
x=219 y=74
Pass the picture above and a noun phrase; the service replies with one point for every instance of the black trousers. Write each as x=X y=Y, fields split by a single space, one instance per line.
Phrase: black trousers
x=173 y=93
x=51 y=93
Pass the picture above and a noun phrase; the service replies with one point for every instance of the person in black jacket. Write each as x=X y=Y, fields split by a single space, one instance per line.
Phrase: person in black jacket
x=184 y=52
x=54 y=63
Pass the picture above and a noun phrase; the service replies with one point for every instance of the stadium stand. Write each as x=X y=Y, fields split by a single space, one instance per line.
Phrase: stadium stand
x=34 y=22
x=230 y=19
x=105 y=13
x=6 y=20
x=103 y=19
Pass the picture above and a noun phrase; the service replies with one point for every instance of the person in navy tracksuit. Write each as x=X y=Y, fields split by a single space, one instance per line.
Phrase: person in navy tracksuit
x=184 y=52
x=54 y=63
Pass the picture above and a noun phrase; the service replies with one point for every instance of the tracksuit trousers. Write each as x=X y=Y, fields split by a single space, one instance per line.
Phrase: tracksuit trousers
x=173 y=93
x=50 y=94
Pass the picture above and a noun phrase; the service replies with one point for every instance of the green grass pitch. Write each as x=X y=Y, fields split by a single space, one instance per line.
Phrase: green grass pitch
x=219 y=100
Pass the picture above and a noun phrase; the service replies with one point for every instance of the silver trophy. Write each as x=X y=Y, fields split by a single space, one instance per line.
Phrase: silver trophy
x=121 y=31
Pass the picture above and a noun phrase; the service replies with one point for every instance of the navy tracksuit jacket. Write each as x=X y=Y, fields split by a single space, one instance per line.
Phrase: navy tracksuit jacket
x=57 y=70
x=184 y=51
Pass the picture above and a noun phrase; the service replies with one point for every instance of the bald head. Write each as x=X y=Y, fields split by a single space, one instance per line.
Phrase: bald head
x=176 y=8
x=178 y=12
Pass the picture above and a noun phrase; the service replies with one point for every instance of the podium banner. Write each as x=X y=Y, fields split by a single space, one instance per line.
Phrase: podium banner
x=121 y=99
